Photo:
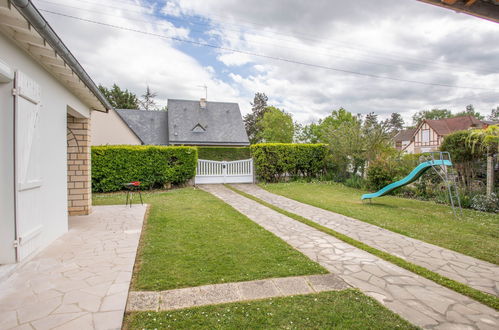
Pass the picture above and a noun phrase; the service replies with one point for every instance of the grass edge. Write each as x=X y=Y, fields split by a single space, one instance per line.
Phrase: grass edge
x=463 y=289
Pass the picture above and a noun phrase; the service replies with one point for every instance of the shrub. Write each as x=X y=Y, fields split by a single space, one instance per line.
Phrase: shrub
x=224 y=153
x=153 y=166
x=485 y=203
x=382 y=172
x=355 y=181
x=273 y=161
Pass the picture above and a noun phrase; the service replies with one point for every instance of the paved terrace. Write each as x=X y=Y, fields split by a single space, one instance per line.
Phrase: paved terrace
x=473 y=272
x=80 y=281
x=418 y=300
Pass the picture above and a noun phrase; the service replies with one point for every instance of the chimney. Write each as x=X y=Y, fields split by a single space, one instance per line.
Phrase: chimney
x=202 y=103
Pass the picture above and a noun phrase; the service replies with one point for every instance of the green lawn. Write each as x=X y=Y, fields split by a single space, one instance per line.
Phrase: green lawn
x=192 y=238
x=475 y=234
x=348 y=309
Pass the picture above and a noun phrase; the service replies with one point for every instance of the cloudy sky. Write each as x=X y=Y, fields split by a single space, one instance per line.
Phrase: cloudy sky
x=177 y=46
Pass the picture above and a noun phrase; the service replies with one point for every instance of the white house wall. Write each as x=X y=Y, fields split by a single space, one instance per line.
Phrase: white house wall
x=55 y=99
x=109 y=128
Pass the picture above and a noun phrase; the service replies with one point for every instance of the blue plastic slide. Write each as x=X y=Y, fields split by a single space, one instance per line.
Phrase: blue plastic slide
x=413 y=176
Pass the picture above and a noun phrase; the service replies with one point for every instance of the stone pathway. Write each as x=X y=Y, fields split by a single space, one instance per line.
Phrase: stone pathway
x=81 y=280
x=418 y=300
x=232 y=292
x=473 y=272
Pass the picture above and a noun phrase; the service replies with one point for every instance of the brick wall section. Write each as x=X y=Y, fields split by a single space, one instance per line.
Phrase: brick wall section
x=79 y=179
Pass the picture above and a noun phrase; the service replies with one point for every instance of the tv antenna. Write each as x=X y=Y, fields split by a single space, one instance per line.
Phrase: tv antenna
x=205 y=90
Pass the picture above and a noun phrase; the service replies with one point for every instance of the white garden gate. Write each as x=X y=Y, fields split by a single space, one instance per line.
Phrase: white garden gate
x=210 y=171
x=28 y=181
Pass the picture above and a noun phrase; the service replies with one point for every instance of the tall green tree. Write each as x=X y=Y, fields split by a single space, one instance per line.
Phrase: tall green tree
x=276 y=126
x=494 y=114
x=258 y=108
x=308 y=133
x=487 y=139
x=147 y=101
x=316 y=132
x=418 y=117
x=395 y=123
x=119 y=98
x=470 y=111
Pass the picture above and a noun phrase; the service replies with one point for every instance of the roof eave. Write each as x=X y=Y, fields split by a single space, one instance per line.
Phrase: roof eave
x=45 y=46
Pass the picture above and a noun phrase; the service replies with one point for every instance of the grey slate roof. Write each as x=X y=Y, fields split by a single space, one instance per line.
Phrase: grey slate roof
x=220 y=123
x=149 y=126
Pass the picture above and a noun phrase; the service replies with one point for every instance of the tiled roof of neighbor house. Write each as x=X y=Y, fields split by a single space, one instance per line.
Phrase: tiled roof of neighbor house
x=218 y=123
x=449 y=125
x=404 y=135
x=149 y=126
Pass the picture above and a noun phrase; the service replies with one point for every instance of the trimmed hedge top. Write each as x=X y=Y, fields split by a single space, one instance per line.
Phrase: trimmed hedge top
x=273 y=161
x=153 y=166
x=224 y=153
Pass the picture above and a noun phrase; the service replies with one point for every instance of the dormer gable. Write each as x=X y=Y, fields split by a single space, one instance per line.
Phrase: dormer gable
x=198 y=128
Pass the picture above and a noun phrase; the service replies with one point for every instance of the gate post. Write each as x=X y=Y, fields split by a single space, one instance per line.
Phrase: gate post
x=224 y=170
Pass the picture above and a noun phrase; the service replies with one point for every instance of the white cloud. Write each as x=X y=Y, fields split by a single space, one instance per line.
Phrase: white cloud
x=403 y=39
x=134 y=60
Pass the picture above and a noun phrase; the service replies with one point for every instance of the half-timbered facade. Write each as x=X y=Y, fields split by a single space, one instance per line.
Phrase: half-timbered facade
x=426 y=139
x=429 y=134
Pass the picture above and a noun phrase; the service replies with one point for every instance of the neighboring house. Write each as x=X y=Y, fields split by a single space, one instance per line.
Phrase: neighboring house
x=109 y=128
x=197 y=123
x=403 y=139
x=429 y=134
x=46 y=99
x=205 y=123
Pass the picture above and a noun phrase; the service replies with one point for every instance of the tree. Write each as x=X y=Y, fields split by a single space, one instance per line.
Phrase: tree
x=120 y=99
x=487 y=139
x=346 y=146
x=418 y=117
x=333 y=121
x=494 y=114
x=395 y=123
x=470 y=111
x=148 y=102
x=307 y=133
x=251 y=119
x=464 y=159
x=276 y=126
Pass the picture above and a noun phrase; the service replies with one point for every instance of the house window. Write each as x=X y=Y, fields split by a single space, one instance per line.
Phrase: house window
x=425 y=136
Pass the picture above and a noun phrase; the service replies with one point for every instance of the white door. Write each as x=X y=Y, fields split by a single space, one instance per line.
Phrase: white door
x=27 y=171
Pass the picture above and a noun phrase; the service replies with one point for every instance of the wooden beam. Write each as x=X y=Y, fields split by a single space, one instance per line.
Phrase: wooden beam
x=469 y=3
x=39 y=50
x=449 y=2
x=29 y=38
x=13 y=22
x=64 y=71
x=56 y=61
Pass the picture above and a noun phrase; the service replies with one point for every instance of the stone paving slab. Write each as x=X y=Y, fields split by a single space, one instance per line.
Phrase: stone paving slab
x=232 y=292
x=417 y=299
x=478 y=274
x=81 y=280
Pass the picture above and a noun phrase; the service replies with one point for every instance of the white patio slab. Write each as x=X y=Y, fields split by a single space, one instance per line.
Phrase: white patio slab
x=81 y=280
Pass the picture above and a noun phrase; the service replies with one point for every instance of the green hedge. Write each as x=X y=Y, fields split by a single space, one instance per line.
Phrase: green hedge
x=274 y=160
x=224 y=153
x=154 y=166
